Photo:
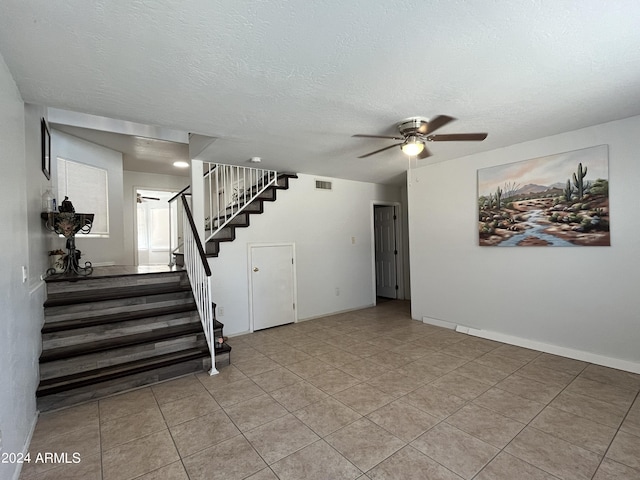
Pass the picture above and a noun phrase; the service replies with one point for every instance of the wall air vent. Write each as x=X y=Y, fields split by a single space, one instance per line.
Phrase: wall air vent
x=323 y=185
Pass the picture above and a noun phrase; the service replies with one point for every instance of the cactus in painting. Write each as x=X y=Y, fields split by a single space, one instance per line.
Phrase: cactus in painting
x=568 y=191
x=490 y=200
x=498 y=197
x=578 y=180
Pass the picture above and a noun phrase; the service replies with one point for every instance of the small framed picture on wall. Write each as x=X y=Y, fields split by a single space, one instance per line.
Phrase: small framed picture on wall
x=46 y=149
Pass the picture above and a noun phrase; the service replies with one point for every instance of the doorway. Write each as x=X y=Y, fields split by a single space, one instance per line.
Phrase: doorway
x=152 y=226
x=272 y=285
x=386 y=248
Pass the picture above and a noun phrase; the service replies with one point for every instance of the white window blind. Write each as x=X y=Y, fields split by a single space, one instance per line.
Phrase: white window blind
x=87 y=189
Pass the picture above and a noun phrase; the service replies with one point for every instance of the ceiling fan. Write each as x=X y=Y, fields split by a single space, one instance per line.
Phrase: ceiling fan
x=140 y=198
x=417 y=131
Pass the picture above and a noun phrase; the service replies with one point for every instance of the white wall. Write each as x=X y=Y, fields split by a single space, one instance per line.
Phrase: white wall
x=321 y=224
x=580 y=301
x=406 y=252
x=145 y=181
x=37 y=184
x=20 y=302
x=96 y=250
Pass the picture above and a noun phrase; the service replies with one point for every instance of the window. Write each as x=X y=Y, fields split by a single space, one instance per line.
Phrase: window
x=87 y=189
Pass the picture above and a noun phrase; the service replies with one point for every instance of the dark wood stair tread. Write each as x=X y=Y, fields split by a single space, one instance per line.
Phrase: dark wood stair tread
x=73 y=278
x=223 y=349
x=118 y=342
x=82 y=379
x=115 y=293
x=86 y=322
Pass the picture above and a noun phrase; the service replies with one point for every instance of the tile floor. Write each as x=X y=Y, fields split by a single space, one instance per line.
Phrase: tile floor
x=370 y=394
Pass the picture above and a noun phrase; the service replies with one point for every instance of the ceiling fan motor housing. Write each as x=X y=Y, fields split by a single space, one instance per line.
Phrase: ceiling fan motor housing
x=413 y=126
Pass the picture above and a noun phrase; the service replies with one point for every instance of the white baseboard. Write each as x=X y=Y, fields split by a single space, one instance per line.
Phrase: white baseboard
x=25 y=448
x=33 y=288
x=554 y=349
x=439 y=323
x=237 y=334
x=336 y=313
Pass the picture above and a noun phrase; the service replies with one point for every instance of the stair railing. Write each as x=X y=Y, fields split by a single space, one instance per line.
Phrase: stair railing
x=229 y=189
x=175 y=225
x=199 y=272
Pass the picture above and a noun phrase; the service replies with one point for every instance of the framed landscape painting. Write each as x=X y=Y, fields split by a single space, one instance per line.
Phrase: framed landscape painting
x=557 y=201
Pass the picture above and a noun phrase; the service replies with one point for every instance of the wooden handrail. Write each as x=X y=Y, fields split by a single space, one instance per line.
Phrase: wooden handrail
x=208 y=172
x=179 y=193
x=196 y=237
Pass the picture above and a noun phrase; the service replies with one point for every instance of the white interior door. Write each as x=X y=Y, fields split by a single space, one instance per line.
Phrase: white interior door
x=386 y=251
x=272 y=285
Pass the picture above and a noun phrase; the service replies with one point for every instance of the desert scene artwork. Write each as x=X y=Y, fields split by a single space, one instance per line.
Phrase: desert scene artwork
x=560 y=200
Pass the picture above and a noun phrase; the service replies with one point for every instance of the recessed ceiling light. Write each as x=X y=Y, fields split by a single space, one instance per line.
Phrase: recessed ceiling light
x=255 y=159
x=181 y=164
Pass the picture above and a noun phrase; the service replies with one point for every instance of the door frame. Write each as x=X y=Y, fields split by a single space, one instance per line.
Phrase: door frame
x=135 y=215
x=399 y=243
x=250 y=246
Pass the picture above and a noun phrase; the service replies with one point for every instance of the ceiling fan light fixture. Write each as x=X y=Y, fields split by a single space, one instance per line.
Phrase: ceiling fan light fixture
x=412 y=146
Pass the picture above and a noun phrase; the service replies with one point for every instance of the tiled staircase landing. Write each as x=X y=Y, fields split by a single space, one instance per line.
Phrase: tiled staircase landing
x=111 y=332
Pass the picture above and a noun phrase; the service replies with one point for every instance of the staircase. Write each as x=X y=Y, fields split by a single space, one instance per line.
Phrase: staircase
x=109 y=333
x=240 y=220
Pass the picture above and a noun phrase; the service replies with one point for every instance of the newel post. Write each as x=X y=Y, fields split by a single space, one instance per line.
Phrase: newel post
x=197 y=196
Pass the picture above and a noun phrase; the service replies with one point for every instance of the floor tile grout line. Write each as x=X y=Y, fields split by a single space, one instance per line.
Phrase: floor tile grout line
x=532 y=426
x=100 y=437
x=471 y=400
x=616 y=434
x=175 y=445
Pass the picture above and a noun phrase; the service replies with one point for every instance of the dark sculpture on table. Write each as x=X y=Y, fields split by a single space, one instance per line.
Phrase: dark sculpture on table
x=68 y=223
x=66 y=206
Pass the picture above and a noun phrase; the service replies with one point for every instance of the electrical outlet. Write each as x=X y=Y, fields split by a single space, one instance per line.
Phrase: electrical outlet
x=221 y=311
x=25 y=277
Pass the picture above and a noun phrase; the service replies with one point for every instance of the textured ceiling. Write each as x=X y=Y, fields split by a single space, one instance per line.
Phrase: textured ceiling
x=291 y=81
x=139 y=154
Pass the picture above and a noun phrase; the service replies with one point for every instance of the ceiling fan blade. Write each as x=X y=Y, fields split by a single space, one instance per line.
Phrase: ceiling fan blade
x=151 y=198
x=376 y=136
x=424 y=153
x=435 y=124
x=381 y=150
x=458 y=137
